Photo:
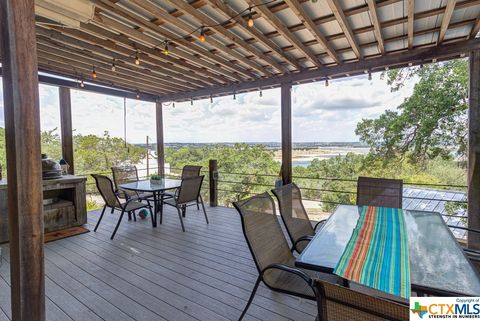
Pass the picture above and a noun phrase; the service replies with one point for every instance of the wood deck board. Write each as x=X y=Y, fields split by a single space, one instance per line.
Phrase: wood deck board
x=205 y=273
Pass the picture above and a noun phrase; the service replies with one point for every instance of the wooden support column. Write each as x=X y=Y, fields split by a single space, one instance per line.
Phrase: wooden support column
x=474 y=151
x=286 y=133
x=22 y=131
x=66 y=127
x=213 y=182
x=160 y=146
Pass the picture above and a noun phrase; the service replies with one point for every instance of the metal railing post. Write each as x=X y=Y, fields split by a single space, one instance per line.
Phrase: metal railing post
x=213 y=177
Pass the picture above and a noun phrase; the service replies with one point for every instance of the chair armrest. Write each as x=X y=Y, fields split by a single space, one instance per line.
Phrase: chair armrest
x=318 y=223
x=305 y=238
x=292 y=270
x=465 y=228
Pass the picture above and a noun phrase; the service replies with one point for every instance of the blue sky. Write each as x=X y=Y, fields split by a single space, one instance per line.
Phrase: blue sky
x=320 y=113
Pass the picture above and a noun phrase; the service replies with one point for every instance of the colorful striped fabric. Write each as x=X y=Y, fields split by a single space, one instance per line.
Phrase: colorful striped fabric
x=377 y=253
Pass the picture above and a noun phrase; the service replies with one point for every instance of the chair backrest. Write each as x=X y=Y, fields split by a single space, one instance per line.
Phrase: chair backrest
x=262 y=231
x=336 y=302
x=191 y=171
x=189 y=189
x=293 y=212
x=122 y=175
x=380 y=192
x=105 y=187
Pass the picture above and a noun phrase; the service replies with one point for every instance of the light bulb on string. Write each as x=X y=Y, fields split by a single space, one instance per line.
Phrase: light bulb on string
x=326 y=82
x=250 y=18
x=173 y=104
x=165 y=50
x=211 y=99
x=94 y=73
x=138 y=95
x=234 y=95
x=113 y=65
x=191 y=101
x=81 y=83
x=261 y=94
x=202 y=37
x=369 y=75
x=137 y=60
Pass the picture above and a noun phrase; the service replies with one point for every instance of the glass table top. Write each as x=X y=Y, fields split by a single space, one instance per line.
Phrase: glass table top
x=436 y=259
x=147 y=186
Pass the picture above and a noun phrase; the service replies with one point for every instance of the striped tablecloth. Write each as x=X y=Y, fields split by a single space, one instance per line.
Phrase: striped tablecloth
x=377 y=253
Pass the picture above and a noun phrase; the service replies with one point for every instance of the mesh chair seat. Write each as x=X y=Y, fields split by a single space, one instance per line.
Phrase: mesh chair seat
x=133 y=205
x=285 y=281
x=337 y=303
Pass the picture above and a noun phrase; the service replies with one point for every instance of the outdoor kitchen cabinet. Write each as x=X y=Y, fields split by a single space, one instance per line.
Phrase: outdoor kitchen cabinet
x=64 y=204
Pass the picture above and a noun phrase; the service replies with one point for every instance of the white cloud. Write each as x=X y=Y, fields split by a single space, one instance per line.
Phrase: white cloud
x=320 y=113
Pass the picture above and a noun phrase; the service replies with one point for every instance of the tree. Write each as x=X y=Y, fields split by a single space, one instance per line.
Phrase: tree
x=431 y=123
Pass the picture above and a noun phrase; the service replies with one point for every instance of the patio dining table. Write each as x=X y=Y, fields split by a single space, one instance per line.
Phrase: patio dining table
x=157 y=190
x=438 y=264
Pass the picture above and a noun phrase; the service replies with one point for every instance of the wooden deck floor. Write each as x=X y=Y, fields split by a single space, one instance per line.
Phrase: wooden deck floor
x=150 y=274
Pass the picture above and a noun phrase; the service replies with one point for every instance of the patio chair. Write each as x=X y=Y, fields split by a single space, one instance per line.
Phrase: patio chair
x=187 y=171
x=473 y=255
x=270 y=251
x=339 y=303
x=187 y=195
x=298 y=225
x=105 y=187
x=122 y=175
x=380 y=192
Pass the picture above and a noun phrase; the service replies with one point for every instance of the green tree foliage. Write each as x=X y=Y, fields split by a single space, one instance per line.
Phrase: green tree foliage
x=431 y=123
x=256 y=161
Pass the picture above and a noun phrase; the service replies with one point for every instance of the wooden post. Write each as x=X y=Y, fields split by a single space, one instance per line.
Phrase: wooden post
x=66 y=127
x=22 y=131
x=160 y=146
x=213 y=177
x=286 y=133
x=474 y=151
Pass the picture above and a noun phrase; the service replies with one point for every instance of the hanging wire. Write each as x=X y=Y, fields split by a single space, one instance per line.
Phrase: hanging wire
x=125 y=121
x=213 y=25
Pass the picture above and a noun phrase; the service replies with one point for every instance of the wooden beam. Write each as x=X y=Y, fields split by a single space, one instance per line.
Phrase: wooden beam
x=257 y=35
x=201 y=51
x=66 y=127
x=205 y=20
x=415 y=56
x=283 y=30
x=312 y=27
x=446 y=19
x=286 y=115
x=342 y=21
x=475 y=28
x=473 y=239
x=410 y=19
x=24 y=174
x=377 y=29
x=160 y=142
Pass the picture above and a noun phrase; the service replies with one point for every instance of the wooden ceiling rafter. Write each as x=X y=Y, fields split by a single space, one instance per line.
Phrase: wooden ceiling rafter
x=446 y=19
x=120 y=67
x=195 y=47
x=207 y=21
x=410 y=21
x=209 y=60
x=377 y=28
x=283 y=30
x=257 y=35
x=345 y=26
x=312 y=28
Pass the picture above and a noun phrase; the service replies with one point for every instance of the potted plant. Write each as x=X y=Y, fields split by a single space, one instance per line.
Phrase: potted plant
x=155 y=179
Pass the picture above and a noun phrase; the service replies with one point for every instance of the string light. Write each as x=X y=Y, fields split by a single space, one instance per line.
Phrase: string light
x=369 y=75
x=138 y=95
x=113 y=65
x=421 y=66
x=250 y=18
x=81 y=83
x=387 y=68
x=165 y=50
x=94 y=73
x=434 y=60
x=202 y=37
x=234 y=95
x=261 y=94
x=191 y=101
x=326 y=82
x=137 y=60
x=173 y=104
x=410 y=64
x=211 y=99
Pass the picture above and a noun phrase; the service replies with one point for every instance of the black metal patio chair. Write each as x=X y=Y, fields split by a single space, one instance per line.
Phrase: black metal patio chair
x=380 y=192
x=105 y=187
x=270 y=251
x=299 y=227
x=187 y=195
x=338 y=303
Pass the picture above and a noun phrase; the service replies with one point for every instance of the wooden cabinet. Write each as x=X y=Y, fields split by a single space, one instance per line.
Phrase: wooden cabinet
x=64 y=204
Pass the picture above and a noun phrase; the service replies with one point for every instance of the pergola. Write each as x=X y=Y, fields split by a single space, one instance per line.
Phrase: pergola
x=176 y=50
